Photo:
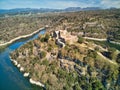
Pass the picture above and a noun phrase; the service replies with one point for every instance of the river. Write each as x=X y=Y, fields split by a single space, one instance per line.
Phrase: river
x=10 y=77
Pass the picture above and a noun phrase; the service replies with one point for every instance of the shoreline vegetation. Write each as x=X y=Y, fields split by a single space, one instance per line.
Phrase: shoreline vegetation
x=21 y=69
x=20 y=37
x=26 y=74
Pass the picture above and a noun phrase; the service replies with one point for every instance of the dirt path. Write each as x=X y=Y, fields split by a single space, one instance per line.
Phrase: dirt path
x=96 y=39
x=106 y=58
x=103 y=56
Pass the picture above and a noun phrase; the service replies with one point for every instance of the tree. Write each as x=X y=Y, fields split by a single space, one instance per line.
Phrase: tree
x=97 y=48
x=46 y=38
x=45 y=62
x=66 y=87
x=42 y=39
x=62 y=73
x=97 y=85
x=42 y=54
x=77 y=87
x=80 y=39
x=118 y=58
x=112 y=54
x=86 y=86
x=92 y=53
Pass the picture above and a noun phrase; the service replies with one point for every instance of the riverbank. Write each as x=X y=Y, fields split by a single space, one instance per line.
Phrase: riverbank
x=20 y=37
x=26 y=74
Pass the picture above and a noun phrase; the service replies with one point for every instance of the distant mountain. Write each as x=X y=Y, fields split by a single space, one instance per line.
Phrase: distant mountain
x=43 y=10
x=73 y=9
x=23 y=10
x=81 y=9
x=92 y=8
x=46 y=9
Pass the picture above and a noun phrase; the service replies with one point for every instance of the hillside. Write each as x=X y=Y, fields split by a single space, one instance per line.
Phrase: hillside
x=12 y=27
x=59 y=60
x=101 y=24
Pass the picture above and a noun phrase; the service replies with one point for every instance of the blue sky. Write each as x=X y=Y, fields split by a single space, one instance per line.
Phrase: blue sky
x=9 y=4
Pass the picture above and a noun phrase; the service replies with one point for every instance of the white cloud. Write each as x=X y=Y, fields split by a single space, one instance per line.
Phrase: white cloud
x=87 y=3
x=65 y=4
x=110 y=3
x=61 y=4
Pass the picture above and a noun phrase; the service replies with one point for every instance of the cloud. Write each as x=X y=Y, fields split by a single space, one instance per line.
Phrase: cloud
x=46 y=3
x=60 y=4
x=72 y=3
x=110 y=3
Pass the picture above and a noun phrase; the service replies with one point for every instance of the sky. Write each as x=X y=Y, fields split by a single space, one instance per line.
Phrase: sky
x=58 y=4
